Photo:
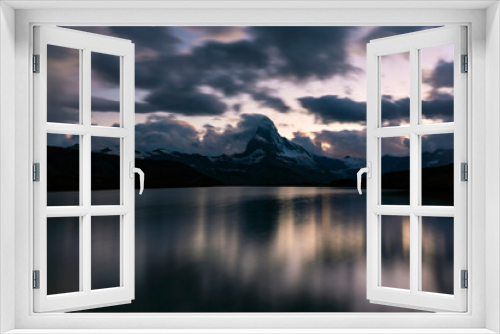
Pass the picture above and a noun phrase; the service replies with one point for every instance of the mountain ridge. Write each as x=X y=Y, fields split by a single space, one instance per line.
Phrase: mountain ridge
x=271 y=159
x=268 y=159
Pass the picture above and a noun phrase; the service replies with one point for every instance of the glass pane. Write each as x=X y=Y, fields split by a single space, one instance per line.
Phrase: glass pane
x=63 y=85
x=63 y=255
x=395 y=252
x=63 y=170
x=437 y=169
x=437 y=84
x=395 y=170
x=105 y=171
x=105 y=250
x=437 y=254
x=395 y=89
x=105 y=90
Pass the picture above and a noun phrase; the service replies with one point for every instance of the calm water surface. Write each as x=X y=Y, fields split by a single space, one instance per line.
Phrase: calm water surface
x=263 y=249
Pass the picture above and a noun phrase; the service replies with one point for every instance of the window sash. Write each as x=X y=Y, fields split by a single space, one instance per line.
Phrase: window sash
x=414 y=298
x=86 y=297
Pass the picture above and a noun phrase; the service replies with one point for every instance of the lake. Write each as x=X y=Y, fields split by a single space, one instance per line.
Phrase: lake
x=260 y=249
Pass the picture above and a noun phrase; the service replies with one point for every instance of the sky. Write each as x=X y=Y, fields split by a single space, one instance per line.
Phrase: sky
x=199 y=89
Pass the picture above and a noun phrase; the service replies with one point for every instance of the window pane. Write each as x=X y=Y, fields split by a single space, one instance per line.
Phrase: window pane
x=395 y=170
x=437 y=169
x=63 y=170
x=395 y=89
x=437 y=254
x=105 y=90
x=105 y=252
x=437 y=84
x=395 y=252
x=63 y=255
x=63 y=85
x=105 y=171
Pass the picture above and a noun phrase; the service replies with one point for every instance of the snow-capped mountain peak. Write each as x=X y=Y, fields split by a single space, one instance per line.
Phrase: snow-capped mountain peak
x=268 y=140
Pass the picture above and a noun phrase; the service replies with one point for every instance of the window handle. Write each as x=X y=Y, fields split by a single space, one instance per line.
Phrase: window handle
x=141 y=176
x=368 y=171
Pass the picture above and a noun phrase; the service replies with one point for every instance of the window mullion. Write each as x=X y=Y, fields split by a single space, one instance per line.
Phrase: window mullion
x=85 y=162
x=414 y=173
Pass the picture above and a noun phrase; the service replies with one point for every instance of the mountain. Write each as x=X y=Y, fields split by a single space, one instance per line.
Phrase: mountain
x=272 y=160
x=437 y=174
x=268 y=160
x=63 y=167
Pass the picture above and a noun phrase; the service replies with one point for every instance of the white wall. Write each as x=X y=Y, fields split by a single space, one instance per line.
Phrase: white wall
x=7 y=161
x=492 y=149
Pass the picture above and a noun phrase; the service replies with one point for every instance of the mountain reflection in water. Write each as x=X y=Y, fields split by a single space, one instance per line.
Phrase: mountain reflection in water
x=262 y=249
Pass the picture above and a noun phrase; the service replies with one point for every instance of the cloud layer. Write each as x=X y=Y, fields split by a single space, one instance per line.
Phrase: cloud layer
x=330 y=109
x=187 y=72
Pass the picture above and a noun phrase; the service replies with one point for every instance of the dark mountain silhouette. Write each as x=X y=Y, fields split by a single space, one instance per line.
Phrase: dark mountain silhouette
x=63 y=169
x=437 y=182
x=268 y=160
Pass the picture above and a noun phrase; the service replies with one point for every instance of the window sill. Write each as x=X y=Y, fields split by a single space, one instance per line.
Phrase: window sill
x=248 y=331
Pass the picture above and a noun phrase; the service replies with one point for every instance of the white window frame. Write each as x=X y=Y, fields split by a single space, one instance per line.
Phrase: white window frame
x=85 y=43
x=483 y=245
x=413 y=43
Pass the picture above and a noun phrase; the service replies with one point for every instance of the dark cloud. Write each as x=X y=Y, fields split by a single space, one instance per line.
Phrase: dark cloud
x=441 y=76
x=186 y=102
x=240 y=54
x=232 y=83
x=175 y=78
x=166 y=132
x=100 y=104
x=232 y=68
x=149 y=74
x=328 y=109
x=58 y=53
x=395 y=112
x=105 y=70
x=62 y=108
x=154 y=38
x=438 y=109
x=269 y=101
x=63 y=86
x=169 y=133
x=305 y=52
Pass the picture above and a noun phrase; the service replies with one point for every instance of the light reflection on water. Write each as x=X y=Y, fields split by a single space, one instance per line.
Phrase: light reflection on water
x=252 y=249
